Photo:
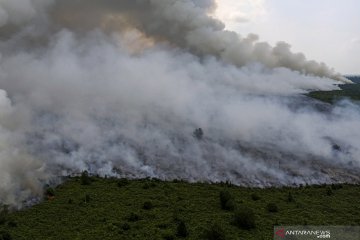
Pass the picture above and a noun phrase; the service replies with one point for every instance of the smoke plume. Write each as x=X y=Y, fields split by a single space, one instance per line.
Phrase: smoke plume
x=186 y=24
x=117 y=88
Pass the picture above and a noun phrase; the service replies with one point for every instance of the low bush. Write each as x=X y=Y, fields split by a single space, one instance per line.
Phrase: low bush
x=255 y=197
x=12 y=224
x=85 y=179
x=87 y=198
x=5 y=235
x=133 y=217
x=182 y=230
x=50 y=192
x=336 y=186
x=272 y=207
x=329 y=191
x=122 y=182
x=3 y=214
x=168 y=236
x=148 y=205
x=290 y=197
x=215 y=232
x=225 y=196
x=149 y=185
x=125 y=226
x=244 y=218
x=230 y=205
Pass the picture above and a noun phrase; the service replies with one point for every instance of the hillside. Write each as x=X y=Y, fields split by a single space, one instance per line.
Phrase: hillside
x=348 y=91
x=96 y=208
x=354 y=78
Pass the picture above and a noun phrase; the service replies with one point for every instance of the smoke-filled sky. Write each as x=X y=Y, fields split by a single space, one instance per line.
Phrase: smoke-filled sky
x=306 y=24
x=118 y=87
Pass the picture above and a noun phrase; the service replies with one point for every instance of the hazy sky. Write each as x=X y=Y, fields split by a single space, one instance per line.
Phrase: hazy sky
x=325 y=30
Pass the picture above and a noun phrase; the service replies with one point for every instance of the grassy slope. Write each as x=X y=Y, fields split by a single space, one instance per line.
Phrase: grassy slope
x=351 y=91
x=110 y=206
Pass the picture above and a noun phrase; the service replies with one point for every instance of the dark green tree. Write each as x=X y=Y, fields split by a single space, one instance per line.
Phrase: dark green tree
x=226 y=197
x=244 y=218
x=255 y=197
x=182 y=230
x=215 y=232
x=85 y=179
x=147 y=205
x=272 y=207
x=3 y=214
x=290 y=198
x=5 y=235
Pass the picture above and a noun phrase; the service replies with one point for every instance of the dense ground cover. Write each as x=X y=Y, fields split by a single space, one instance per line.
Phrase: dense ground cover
x=348 y=91
x=96 y=208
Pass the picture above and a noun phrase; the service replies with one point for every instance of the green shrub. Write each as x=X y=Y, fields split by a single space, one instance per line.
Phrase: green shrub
x=133 y=217
x=85 y=179
x=225 y=196
x=122 y=182
x=87 y=198
x=168 y=236
x=125 y=226
x=50 y=192
x=3 y=214
x=5 y=235
x=290 y=197
x=215 y=232
x=272 y=207
x=227 y=183
x=230 y=205
x=2 y=219
x=336 y=186
x=329 y=191
x=147 y=205
x=182 y=230
x=12 y=224
x=244 y=218
x=255 y=197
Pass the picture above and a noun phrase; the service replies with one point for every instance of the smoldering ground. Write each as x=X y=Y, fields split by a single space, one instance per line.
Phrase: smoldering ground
x=118 y=87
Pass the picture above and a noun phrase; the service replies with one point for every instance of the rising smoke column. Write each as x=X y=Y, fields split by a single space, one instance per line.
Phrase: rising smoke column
x=118 y=87
x=185 y=23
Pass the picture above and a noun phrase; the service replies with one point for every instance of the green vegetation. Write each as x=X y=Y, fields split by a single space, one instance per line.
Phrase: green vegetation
x=255 y=197
x=226 y=200
x=147 y=205
x=3 y=214
x=151 y=209
x=290 y=198
x=215 y=232
x=5 y=236
x=272 y=207
x=85 y=179
x=350 y=91
x=182 y=231
x=50 y=192
x=244 y=218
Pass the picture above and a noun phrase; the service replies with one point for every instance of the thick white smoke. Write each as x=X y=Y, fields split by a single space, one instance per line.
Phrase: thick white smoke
x=18 y=12
x=186 y=23
x=122 y=94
